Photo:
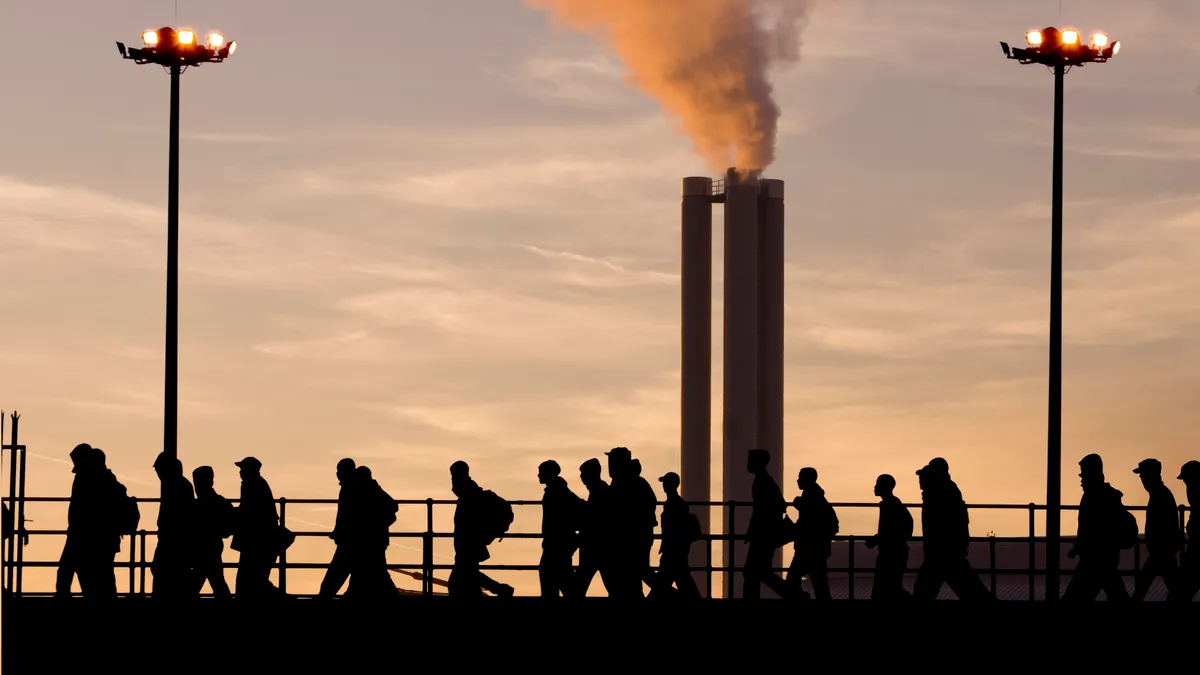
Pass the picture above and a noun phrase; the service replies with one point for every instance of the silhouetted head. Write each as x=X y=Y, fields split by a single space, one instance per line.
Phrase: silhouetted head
x=1150 y=471
x=635 y=468
x=939 y=466
x=1091 y=471
x=460 y=473
x=589 y=471
x=249 y=467
x=933 y=473
x=884 y=485
x=202 y=477
x=619 y=461
x=1190 y=473
x=757 y=460
x=345 y=471
x=99 y=458
x=670 y=482
x=363 y=474
x=806 y=478
x=547 y=470
x=81 y=457
x=167 y=467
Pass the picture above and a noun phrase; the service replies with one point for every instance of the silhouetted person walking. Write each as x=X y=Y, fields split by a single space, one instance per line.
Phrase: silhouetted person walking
x=1105 y=527
x=680 y=528
x=172 y=566
x=376 y=511
x=256 y=534
x=627 y=525
x=562 y=512
x=895 y=529
x=1163 y=538
x=347 y=532
x=946 y=537
x=767 y=530
x=479 y=518
x=816 y=526
x=214 y=522
x=1190 y=577
x=595 y=532
x=94 y=527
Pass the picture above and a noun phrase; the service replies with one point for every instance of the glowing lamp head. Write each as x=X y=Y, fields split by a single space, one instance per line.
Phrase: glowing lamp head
x=1099 y=40
x=1034 y=38
x=215 y=40
x=187 y=37
x=1116 y=48
x=1070 y=37
x=150 y=38
x=232 y=46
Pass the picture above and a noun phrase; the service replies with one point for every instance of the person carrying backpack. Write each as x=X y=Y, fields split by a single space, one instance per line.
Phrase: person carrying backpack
x=816 y=526
x=1106 y=527
x=480 y=518
x=680 y=529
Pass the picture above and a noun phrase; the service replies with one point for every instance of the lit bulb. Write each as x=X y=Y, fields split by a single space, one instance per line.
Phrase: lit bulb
x=1099 y=40
x=215 y=40
x=1070 y=37
x=150 y=38
x=187 y=37
x=1034 y=38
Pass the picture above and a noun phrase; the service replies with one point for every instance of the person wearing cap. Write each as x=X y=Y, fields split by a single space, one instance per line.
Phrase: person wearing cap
x=1163 y=538
x=172 y=566
x=256 y=534
x=1098 y=539
x=562 y=512
x=767 y=530
x=214 y=522
x=894 y=532
x=595 y=532
x=680 y=528
x=816 y=526
x=945 y=540
x=1190 y=585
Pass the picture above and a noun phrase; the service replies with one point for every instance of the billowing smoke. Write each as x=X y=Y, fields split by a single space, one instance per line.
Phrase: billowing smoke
x=705 y=61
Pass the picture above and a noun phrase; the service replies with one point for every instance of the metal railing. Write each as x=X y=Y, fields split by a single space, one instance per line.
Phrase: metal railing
x=992 y=557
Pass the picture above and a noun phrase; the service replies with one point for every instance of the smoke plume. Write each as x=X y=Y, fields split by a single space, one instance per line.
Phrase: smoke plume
x=705 y=61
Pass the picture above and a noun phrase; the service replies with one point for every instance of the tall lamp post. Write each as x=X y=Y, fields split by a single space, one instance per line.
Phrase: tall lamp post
x=175 y=51
x=1060 y=51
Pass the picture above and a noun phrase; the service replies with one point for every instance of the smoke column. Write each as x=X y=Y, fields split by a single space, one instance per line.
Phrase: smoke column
x=705 y=61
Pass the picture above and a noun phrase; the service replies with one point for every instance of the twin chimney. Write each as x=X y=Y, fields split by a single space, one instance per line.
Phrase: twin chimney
x=753 y=345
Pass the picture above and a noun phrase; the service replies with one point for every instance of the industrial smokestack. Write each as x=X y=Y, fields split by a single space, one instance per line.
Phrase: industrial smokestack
x=696 y=362
x=705 y=61
x=741 y=359
x=771 y=323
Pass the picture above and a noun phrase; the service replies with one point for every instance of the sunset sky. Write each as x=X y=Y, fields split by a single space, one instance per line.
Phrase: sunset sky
x=419 y=231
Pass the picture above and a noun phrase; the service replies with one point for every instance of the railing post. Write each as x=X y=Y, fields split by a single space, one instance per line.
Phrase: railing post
x=1032 y=553
x=992 y=562
x=9 y=568
x=20 y=524
x=142 y=562
x=850 y=564
x=132 y=561
x=729 y=554
x=283 y=553
x=427 y=550
x=708 y=563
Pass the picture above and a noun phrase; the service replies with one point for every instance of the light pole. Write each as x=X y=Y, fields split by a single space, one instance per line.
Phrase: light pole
x=1060 y=51
x=175 y=51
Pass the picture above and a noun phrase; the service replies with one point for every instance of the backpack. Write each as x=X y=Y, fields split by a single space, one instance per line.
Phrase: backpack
x=127 y=514
x=834 y=525
x=226 y=517
x=694 y=532
x=1126 y=529
x=499 y=514
x=387 y=509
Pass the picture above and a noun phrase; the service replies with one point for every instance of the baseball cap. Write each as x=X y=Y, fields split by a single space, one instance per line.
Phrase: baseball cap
x=1149 y=466
x=250 y=464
